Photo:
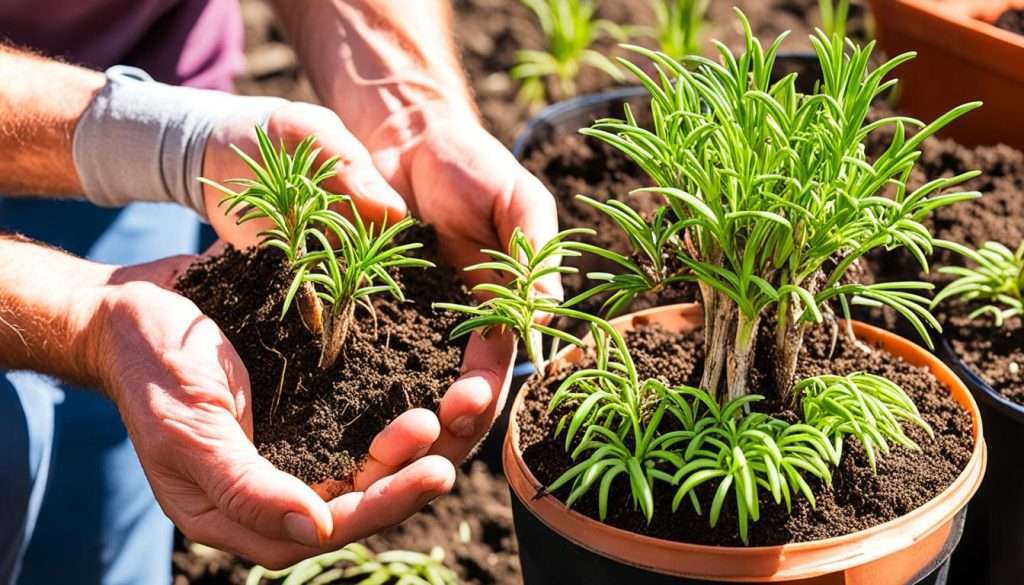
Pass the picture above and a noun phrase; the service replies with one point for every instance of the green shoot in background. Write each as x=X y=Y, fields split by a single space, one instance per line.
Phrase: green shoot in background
x=996 y=281
x=570 y=29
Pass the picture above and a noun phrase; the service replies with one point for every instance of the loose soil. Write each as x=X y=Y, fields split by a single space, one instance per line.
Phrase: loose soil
x=857 y=499
x=483 y=552
x=318 y=425
x=994 y=353
x=1012 y=20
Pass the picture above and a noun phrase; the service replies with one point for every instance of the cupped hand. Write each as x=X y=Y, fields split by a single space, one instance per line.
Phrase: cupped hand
x=184 y=396
x=458 y=178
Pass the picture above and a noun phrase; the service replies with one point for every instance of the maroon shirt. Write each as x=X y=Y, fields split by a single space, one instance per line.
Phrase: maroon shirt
x=185 y=42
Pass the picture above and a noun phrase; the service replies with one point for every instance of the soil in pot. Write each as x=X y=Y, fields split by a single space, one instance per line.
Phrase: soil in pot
x=994 y=353
x=484 y=552
x=1012 y=20
x=318 y=425
x=857 y=499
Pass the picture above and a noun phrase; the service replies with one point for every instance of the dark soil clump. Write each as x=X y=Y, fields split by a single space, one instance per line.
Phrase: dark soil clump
x=314 y=424
x=857 y=499
x=1012 y=20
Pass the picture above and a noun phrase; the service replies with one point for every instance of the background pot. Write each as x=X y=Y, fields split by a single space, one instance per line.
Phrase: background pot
x=905 y=550
x=993 y=548
x=961 y=57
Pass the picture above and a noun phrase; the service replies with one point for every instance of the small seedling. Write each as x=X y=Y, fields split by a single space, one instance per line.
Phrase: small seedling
x=287 y=191
x=357 y=565
x=678 y=26
x=834 y=16
x=569 y=29
x=996 y=281
x=360 y=268
x=519 y=306
x=868 y=407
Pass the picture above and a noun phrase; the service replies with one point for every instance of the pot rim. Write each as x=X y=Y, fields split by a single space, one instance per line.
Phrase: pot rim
x=551 y=113
x=828 y=555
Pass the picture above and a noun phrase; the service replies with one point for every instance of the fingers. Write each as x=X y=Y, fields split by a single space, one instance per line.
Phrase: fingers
x=472 y=403
x=390 y=500
x=249 y=490
x=356 y=174
x=163 y=272
x=408 y=437
x=355 y=515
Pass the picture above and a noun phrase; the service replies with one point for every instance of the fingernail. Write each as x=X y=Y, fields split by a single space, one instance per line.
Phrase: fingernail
x=300 y=528
x=463 y=427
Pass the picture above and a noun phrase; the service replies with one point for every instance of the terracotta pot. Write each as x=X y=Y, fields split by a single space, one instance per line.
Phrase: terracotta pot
x=993 y=548
x=961 y=57
x=897 y=552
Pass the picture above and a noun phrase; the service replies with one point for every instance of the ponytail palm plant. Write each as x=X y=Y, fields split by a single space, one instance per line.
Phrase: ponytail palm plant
x=773 y=196
x=330 y=280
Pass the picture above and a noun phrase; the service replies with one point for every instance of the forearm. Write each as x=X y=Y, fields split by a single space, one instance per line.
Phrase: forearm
x=49 y=302
x=378 y=62
x=41 y=101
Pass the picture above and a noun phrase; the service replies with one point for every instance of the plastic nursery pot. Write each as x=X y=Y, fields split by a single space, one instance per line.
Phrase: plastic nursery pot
x=560 y=545
x=568 y=116
x=993 y=547
x=961 y=57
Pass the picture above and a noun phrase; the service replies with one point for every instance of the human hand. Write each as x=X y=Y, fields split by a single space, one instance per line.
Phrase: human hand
x=458 y=178
x=355 y=176
x=184 y=395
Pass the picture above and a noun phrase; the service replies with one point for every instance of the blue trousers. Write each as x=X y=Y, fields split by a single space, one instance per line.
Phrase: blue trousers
x=75 y=506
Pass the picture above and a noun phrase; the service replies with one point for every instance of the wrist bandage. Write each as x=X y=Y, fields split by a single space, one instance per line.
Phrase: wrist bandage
x=140 y=140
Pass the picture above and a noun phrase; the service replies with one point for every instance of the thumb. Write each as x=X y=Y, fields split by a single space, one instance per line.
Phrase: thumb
x=248 y=489
x=531 y=207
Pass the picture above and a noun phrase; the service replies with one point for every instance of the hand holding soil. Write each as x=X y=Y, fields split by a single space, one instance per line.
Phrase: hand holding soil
x=461 y=181
x=184 y=395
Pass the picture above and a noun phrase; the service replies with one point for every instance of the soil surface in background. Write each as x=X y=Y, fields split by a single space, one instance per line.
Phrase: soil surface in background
x=473 y=524
x=1012 y=20
x=314 y=424
x=857 y=499
x=995 y=353
x=489 y=32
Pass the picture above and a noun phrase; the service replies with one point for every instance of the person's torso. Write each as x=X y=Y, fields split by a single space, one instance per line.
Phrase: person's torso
x=183 y=42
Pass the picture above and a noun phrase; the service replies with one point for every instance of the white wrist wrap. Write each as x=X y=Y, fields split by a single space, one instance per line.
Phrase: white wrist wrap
x=140 y=140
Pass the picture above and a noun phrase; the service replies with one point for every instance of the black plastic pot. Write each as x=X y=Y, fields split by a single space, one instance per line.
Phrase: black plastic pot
x=567 y=117
x=993 y=548
x=549 y=559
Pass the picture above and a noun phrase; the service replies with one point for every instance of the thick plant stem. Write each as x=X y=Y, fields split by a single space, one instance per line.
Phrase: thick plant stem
x=730 y=340
x=311 y=309
x=336 y=329
x=719 y=333
x=741 y=358
x=533 y=345
x=789 y=340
